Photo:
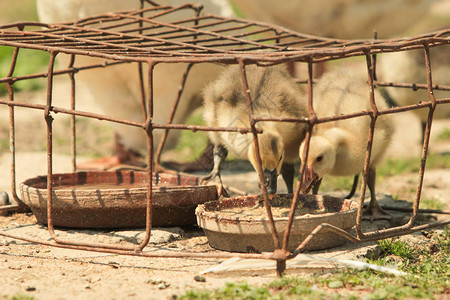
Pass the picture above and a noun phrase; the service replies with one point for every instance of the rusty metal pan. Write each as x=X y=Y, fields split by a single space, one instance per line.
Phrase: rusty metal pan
x=247 y=232
x=116 y=199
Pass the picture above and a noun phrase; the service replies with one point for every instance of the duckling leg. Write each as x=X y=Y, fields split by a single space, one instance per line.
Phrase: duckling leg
x=287 y=171
x=354 y=186
x=219 y=154
x=374 y=210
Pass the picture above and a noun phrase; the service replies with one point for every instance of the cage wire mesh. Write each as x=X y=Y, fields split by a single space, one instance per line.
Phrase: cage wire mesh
x=142 y=36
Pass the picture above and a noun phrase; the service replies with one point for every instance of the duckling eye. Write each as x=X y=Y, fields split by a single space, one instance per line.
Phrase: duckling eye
x=319 y=158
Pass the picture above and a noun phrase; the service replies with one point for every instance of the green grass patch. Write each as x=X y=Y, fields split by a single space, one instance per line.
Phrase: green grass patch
x=431 y=203
x=444 y=135
x=22 y=297
x=231 y=291
x=4 y=144
x=28 y=62
x=192 y=144
x=396 y=247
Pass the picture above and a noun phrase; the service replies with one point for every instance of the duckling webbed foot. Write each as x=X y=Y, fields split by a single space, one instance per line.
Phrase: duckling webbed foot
x=375 y=212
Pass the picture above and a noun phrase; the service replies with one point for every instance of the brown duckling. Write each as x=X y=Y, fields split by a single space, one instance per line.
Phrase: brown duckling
x=274 y=93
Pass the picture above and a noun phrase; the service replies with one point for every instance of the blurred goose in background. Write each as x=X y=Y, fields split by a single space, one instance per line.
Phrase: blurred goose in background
x=338 y=148
x=342 y=19
x=409 y=67
x=274 y=94
x=116 y=88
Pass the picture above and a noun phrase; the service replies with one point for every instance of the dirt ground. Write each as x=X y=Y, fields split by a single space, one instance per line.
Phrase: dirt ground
x=55 y=273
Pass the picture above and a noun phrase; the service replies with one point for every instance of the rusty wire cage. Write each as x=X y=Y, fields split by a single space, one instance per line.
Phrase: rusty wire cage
x=140 y=36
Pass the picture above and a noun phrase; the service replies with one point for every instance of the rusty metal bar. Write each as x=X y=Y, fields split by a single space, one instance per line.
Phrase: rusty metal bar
x=374 y=61
x=12 y=138
x=132 y=252
x=259 y=170
x=73 y=140
x=254 y=56
x=11 y=79
x=128 y=122
x=150 y=168
x=142 y=90
x=278 y=252
x=281 y=265
x=323 y=227
x=49 y=120
x=211 y=128
x=313 y=117
x=414 y=86
x=172 y=254
x=172 y=115
x=374 y=115
x=426 y=135
x=140 y=71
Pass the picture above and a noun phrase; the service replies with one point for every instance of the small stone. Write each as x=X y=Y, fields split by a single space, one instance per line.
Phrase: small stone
x=199 y=278
x=30 y=289
x=163 y=285
x=155 y=281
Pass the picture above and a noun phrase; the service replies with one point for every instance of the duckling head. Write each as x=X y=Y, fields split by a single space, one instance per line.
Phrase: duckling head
x=320 y=161
x=272 y=154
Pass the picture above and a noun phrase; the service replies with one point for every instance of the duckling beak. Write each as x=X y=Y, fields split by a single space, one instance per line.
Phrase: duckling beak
x=270 y=180
x=309 y=179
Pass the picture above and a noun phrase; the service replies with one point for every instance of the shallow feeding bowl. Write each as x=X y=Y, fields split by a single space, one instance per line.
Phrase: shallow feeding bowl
x=233 y=224
x=116 y=199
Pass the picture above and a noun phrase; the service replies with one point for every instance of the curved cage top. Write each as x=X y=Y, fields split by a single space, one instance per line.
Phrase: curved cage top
x=140 y=35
